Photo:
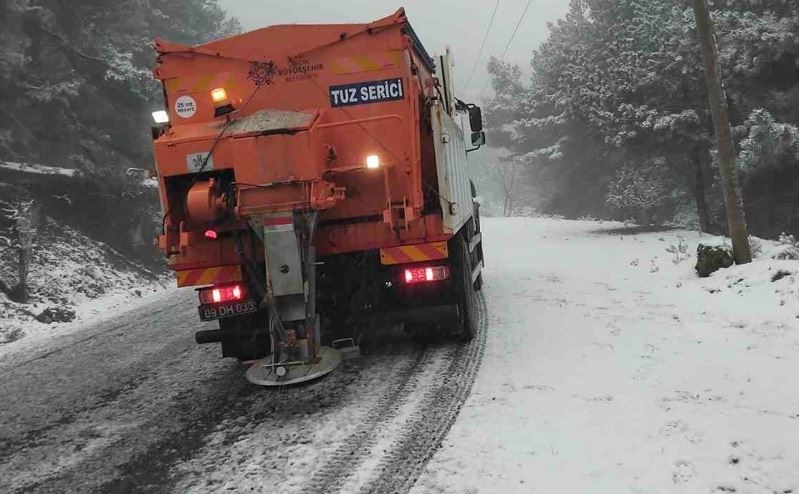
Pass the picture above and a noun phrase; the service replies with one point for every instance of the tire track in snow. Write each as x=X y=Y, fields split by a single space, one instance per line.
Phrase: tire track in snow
x=92 y=400
x=405 y=461
x=151 y=469
x=157 y=469
x=349 y=456
x=144 y=420
x=151 y=416
x=102 y=398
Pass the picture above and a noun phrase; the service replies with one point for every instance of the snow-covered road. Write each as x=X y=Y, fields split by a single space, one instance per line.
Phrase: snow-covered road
x=608 y=367
x=133 y=405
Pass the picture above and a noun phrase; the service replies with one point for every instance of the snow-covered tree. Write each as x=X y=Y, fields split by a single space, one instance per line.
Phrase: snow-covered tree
x=638 y=192
x=770 y=144
x=76 y=91
x=622 y=81
x=23 y=215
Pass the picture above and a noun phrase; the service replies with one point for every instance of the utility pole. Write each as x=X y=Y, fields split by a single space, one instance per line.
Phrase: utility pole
x=728 y=166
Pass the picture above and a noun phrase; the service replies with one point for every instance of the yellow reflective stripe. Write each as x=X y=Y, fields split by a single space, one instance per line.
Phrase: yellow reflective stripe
x=209 y=276
x=395 y=57
x=202 y=83
x=415 y=254
x=337 y=69
x=172 y=84
x=366 y=63
x=229 y=83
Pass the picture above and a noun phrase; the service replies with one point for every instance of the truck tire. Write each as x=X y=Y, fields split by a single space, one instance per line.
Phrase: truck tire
x=465 y=291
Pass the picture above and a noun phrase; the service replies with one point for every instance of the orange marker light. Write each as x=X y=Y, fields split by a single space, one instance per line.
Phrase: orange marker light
x=219 y=95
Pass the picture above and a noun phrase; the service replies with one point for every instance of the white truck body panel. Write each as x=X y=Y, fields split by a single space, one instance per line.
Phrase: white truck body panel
x=454 y=187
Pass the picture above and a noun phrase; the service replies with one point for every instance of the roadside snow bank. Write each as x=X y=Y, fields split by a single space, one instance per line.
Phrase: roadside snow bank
x=767 y=289
x=611 y=368
x=72 y=278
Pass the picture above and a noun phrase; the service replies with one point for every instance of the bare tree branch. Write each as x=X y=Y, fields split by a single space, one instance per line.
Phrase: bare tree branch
x=66 y=44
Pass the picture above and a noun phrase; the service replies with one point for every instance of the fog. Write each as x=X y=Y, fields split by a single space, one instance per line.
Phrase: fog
x=457 y=24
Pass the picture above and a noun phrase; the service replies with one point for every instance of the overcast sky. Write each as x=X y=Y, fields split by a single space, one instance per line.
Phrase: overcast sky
x=457 y=23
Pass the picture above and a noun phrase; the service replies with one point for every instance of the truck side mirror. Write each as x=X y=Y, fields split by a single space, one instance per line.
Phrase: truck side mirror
x=478 y=138
x=475 y=118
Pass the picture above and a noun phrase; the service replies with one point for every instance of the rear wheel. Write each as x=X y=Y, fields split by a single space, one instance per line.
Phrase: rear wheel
x=465 y=289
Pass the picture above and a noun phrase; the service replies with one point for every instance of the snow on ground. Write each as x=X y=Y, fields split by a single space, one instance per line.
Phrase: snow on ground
x=30 y=333
x=612 y=368
x=73 y=272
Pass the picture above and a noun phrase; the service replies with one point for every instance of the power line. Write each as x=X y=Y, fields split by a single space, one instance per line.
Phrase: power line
x=510 y=41
x=482 y=46
x=516 y=29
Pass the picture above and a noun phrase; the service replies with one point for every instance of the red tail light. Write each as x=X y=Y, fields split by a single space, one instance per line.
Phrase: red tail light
x=426 y=274
x=211 y=234
x=220 y=294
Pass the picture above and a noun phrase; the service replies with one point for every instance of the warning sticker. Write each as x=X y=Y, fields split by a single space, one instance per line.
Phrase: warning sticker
x=185 y=106
x=363 y=93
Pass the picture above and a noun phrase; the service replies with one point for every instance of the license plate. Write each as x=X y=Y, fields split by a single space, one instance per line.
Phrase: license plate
x=220 y=311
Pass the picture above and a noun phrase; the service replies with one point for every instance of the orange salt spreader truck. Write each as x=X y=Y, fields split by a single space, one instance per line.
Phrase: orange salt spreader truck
x=313 y=180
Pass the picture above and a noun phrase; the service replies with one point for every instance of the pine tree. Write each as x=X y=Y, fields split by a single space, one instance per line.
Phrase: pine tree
x=76 y=91
x=617 y=83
